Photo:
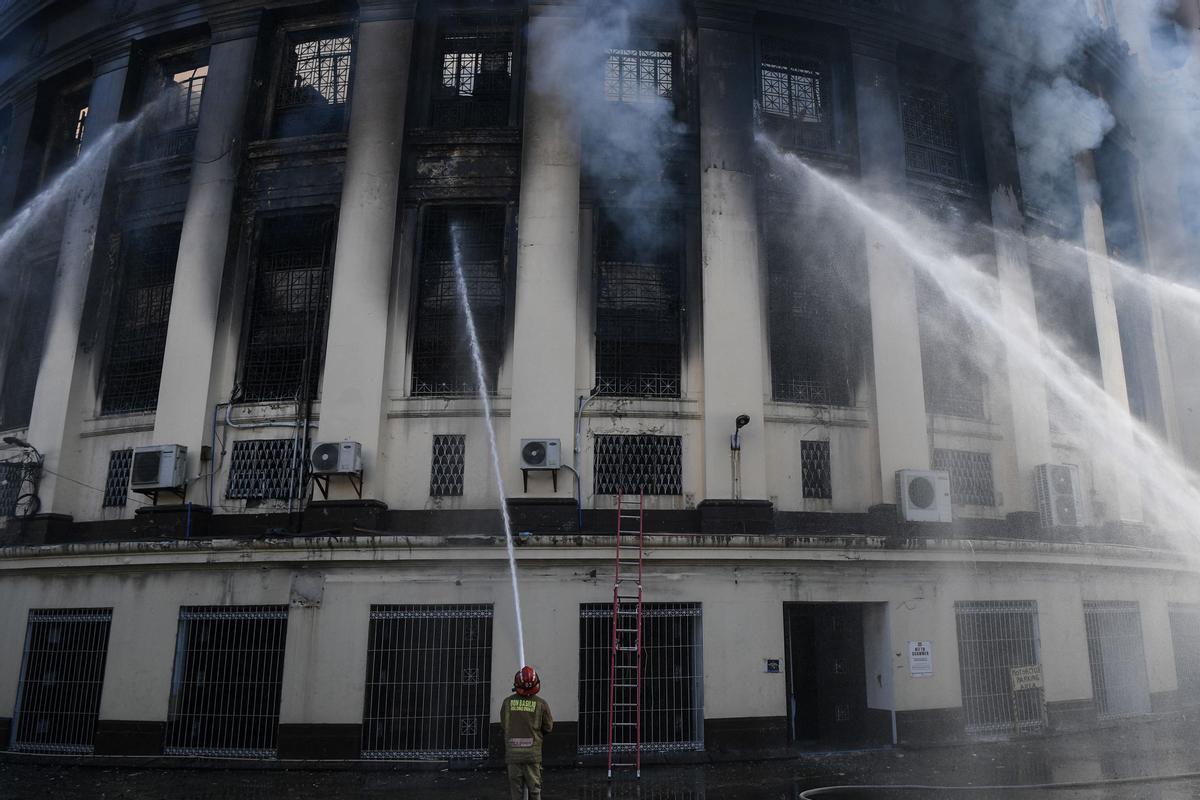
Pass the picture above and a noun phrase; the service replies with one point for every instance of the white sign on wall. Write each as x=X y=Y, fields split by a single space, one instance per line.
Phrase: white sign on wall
x=920 y=659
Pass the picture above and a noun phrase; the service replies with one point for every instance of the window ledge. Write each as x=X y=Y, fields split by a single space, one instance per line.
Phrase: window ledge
x=838 y=416
x=111 y=424
x=317 y=143
x=274 y=411
x=446 y=406
x=964 y=426
x=653 y=407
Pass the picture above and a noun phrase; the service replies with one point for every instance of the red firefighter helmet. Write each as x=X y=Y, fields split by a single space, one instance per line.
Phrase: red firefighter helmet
x=526 y=682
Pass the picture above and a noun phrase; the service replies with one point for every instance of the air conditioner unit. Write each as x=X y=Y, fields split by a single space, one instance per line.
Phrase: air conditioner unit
x=158 y=466
x=337 y=458
x=923 y=495
x=541 y=454
x=1060 y=503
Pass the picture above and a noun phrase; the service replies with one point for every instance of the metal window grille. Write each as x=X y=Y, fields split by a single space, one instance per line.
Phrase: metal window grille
x=970 y=476
x=227 y=681
x=639 y=75
x=931 y=137
x=181 y=85
x=25 y=347
x=791 y=85
x=116 y=483
x=449 y=459
x=442 y=362
x=476 y=79
x=143 y=309
x=633 y=463
x=62 y=674
x=286 y=335
x=993 y=637
x=950 y=351
x=12 y=476
x=672 y=677
x=1118 y=662
x=1185 y=640
x=266 y=469
x=314 y=86
x=428 y=686
x=815 y=471
x=639 y=315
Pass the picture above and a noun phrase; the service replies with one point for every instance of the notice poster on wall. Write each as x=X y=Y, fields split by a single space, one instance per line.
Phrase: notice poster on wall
x=920 y=659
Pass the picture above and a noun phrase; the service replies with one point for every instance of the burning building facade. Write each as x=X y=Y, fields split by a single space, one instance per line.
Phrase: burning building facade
x=247 y=496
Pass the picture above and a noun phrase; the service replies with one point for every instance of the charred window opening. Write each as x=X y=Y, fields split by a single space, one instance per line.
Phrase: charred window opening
x=994 y=637
x=795 y=96
x=815 y=470
x=639 y=316
x=640 y=73
x=449 y=463
x=314 y=85
x=290 y=301
x=428 y=685
x=951 y=352
x=26 y=339
x=266 y=469
x=672 y=697
x=629 y=464
x=62 y=674
x=116 y=481
x=227 y=682
x=474 y=236
x=931 y=116
x=67 y=125
x=475 y=56
x=143 y=309
x=971 y=482
x=177 y=84
x=1117 y=659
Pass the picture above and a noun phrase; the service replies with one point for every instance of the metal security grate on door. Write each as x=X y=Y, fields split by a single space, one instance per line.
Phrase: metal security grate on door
x=226 y=686
x=62 y=673
x=1185 y=639
x=672 y=677
x=994 y=637
x=428 y=682
x=1114 y=637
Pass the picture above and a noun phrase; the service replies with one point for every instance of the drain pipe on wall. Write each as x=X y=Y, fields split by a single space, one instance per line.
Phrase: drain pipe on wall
x=577 y=455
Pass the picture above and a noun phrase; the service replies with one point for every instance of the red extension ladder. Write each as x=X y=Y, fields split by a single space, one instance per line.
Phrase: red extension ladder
x=625 y=674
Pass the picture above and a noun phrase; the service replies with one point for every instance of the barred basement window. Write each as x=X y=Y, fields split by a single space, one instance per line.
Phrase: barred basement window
x=314 y=86
x=266 y=469
x=970 y=476
x=428 y=685
x=994 y=637
x=1114 y=637
x=955 y=384
x=442 y=362
x=672 y=677
x=143 y=310
x=931 y=131
x=639 y=315
x=794 y=93
x=449 y=459
x=178 y=85
x=12 y=476
x=25 y=344
x=628 y=464
x=475 y=90
x=116 y=484
x=286 y=337
x=815 y=470
x=62 y=674
x=1185 y=640
x=227 y=682
x=639 y=75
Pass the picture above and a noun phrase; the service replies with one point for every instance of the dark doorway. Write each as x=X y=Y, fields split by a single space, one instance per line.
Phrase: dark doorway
x=826 y=677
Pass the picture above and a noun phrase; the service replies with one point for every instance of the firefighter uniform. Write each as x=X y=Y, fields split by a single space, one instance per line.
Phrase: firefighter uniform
x=525 y=720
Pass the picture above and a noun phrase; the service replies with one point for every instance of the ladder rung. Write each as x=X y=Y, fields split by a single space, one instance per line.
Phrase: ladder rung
x=625 y=724
x=626 y=666
x=627 y=630
x=625 y=685
x=626 y=705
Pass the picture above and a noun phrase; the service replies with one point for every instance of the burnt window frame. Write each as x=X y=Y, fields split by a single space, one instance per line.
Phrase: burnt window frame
x=287 y=37
x=251 y=302
x=501 y=323
x=166 y=233
x=449 y=21
x=605 y=218
x=659 y=36
x=931 y=72
x=159 y=67
x=64 y=132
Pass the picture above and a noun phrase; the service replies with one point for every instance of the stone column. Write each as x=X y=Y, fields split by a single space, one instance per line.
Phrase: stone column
x=544 y=346
x=1112 y=481
x=732 y=294
x=62 y=378
x=185 y=399
x=352 y=389
x=1026 y=385
x=900 y=419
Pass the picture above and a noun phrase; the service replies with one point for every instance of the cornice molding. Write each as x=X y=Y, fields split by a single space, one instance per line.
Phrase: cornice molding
x=386 y=10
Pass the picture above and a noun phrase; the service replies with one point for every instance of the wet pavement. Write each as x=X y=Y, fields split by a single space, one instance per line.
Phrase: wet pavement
x=1141 y=750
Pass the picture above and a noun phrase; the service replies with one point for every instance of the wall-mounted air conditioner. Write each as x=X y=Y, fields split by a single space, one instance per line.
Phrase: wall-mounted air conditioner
x=337 y=458
x=158 y=466
x=1060 y=503
x=541 y=454
x=923 y=495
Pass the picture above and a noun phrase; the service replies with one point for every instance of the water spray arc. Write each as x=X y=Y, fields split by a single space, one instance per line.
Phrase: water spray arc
x=456 y=247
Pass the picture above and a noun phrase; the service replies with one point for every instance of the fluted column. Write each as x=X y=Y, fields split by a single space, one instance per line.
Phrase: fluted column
x=895 y=335
x=1026 y=385
x=352 y=390
x=185 y=396
x=62 y=379
x=544 y=344
x=732 y=286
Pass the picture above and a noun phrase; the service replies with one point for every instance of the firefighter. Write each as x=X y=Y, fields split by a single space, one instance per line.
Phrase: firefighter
x=526 y=718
